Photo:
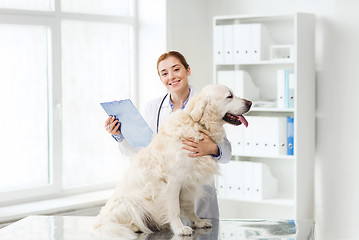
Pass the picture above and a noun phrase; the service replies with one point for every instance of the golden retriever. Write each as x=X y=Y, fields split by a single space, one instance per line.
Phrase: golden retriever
x=162 y=181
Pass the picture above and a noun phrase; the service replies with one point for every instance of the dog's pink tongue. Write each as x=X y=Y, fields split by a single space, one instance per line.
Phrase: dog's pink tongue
x=243 y=120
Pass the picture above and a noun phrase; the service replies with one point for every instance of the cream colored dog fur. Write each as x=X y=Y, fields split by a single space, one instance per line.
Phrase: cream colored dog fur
x=162 y=181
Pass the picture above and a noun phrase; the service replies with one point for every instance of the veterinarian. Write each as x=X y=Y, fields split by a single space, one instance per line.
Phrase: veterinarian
x=174 y=71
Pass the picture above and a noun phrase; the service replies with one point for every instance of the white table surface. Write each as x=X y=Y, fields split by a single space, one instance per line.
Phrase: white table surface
x=80 y=227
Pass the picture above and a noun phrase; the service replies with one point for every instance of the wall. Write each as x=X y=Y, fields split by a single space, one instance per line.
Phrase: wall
x=337 y=38
x=189 y=32
x=151 y=44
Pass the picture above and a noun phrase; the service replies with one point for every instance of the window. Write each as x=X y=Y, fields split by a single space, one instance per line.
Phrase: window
x=105 y=7
x=95 y=61
x=23 y=92
x=56 y=68
x=39 y=5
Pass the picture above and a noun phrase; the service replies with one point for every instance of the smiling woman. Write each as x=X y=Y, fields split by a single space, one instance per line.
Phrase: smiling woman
x=174 y=71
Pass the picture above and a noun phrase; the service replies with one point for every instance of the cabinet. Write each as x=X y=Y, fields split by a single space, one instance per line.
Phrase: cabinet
x=268 y=51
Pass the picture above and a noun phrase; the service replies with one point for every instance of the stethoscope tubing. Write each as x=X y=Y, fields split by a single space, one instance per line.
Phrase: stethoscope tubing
x=159 y=111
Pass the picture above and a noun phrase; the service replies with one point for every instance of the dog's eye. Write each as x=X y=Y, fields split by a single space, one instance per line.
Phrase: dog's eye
x=230 y=96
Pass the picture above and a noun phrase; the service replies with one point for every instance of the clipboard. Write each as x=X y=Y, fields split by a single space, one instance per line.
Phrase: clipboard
x=133 y=127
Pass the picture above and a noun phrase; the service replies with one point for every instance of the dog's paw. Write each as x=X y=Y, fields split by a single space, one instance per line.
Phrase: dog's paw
x=203 y=223
x=184 y=231
x=178 y=237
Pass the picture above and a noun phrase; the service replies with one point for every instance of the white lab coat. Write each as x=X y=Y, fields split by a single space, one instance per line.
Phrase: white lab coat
x=206 y=206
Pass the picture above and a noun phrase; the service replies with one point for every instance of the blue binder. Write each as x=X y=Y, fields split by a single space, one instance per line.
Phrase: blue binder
x=290 y=136
x=133 y=127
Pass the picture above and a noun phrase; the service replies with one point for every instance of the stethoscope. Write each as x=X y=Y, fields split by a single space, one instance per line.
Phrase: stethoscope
x=159 y=111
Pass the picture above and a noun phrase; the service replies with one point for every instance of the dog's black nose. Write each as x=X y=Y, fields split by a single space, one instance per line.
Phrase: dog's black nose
x=248 y=103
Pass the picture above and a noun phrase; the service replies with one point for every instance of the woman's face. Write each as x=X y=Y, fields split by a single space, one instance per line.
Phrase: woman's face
x=173 y=74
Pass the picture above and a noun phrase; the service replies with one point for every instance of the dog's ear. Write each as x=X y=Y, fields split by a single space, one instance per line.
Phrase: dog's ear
x=197 y=107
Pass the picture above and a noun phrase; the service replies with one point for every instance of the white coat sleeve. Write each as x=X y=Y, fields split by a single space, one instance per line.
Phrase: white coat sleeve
x=226 y=150
x=127 y=150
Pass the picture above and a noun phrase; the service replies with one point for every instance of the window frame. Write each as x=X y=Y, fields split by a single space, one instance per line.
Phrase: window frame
x=52 y=20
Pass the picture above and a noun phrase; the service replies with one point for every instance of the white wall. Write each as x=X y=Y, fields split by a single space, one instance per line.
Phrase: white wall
x=151 y=44
x=189 y=32
x=337 y=57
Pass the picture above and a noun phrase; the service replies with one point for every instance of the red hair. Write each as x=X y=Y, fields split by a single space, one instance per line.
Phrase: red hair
x=175 y=54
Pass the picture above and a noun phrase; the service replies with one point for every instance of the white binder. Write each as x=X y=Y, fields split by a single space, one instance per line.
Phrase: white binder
x=264 y=184
x=245 y=180
x=264 y=135
x=248 y=180
x=241 y=42
x=221 y=182
x=228 y=43
x=291 y=86
x=238 y=43
x=261 y=136
x=238 y=180
x=218 y=44
x=278 y=136
x=240 y=139
x=260 y=43
x=226 y=181
x=281 y=88
x=249 y=136
x=235 y=135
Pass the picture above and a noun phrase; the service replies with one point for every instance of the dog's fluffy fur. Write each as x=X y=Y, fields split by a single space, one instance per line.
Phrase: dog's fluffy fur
x=162 y=181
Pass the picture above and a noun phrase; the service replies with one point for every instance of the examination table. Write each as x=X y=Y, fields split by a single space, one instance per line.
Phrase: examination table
x=79 y=228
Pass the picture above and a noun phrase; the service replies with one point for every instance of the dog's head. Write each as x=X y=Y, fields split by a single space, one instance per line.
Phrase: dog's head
x=217 y=103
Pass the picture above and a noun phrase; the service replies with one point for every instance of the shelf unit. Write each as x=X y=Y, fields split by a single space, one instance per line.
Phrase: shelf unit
x=295 y=174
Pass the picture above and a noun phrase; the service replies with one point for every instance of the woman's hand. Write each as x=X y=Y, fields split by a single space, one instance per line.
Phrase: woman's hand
x=111 y=125
x=200 y=148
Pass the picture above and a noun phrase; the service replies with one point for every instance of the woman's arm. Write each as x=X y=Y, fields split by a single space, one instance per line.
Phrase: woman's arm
x=113 y=127
x=222 y=152
x=226 y=149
